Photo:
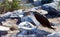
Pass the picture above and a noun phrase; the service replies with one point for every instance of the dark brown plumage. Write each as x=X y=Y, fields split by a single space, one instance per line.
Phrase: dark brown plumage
x=43 y=20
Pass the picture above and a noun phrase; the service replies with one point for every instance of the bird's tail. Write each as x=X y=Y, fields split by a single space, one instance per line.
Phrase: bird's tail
x=52 y=28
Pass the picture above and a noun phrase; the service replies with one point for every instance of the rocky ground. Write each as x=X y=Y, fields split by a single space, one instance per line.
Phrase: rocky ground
x=56 y=22
x=53 y=20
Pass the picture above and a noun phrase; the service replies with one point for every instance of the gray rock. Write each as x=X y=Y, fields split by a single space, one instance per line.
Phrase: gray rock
x=16 y=13
x=3 y=33
x=29 y=30
x=7 y=15
x=55 y=34
x=36 y=32
x=37 y=3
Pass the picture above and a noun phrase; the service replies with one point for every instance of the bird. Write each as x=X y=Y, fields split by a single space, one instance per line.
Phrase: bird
x=43 y=20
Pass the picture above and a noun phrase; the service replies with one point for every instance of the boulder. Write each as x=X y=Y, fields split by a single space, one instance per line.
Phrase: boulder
x=4 y=30
x=37 y=9
x=35 y=33
x=11 y=25
x=37 y=3
x=55 y=34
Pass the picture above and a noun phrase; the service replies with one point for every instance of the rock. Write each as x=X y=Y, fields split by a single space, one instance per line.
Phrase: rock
x=15 y=13
x=3 y=33
x=53 y=5
x=10 y=24
x=48 y=16
x=55 y=34
x=6 y=14
x=35 y=32
x=37 y=9
x=25 y=28
x=2 y=28
x=37 y=3
x=41 y=33
x=26 y=25
x=52 y=8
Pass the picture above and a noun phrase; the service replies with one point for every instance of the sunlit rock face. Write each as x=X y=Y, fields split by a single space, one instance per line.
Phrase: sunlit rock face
x=2 y=28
